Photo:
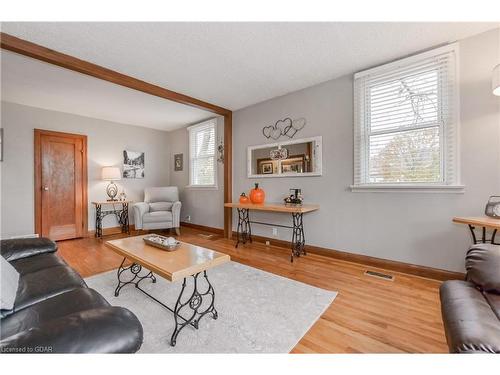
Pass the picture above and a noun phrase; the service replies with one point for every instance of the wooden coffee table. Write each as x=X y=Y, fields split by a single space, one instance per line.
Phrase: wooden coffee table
x=187 y=261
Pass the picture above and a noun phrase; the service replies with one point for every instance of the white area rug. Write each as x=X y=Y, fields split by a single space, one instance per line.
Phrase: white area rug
x=258 y=312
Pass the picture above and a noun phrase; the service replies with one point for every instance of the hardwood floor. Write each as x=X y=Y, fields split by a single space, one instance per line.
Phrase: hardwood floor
x=369 y=315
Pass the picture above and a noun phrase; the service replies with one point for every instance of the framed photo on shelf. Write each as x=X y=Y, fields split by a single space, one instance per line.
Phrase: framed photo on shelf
x=267 y=168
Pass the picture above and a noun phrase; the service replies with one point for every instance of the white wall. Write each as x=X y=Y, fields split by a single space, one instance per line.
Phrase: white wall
x=205 y=206
x=106 y=142
x=409 y=227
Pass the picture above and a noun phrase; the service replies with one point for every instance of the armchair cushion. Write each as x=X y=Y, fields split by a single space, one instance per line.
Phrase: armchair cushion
x=161 y=194
x=157 y=217
x=160 y=206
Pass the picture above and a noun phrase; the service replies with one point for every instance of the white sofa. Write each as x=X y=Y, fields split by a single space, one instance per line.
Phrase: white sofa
x=161 y=209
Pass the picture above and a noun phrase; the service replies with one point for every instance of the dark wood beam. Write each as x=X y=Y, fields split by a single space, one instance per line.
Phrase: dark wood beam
x=38 y=52
x=228 y=174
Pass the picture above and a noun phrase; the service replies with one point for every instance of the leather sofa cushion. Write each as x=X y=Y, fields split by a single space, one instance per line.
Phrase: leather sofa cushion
x=99 y=330
x=28 y=265
x=9 y=284
x=483 y=264
x=470 y=323
x=160 y=206
x=494 y=301
x=53 y=308
x=26 y=247
x=157 y=217
x=37 y=286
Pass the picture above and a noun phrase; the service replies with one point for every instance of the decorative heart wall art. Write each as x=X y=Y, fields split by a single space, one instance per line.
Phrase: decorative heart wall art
x=286 y=127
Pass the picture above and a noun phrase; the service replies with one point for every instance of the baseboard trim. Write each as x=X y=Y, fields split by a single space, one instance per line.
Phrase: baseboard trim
x=219 y=231
x=109 y=231
x=391 y=265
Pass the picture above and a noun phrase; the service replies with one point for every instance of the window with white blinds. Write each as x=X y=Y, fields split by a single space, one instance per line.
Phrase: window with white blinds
x=405 y=122
x=202 y=161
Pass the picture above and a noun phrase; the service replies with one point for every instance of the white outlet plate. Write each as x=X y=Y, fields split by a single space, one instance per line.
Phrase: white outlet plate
x=275 y=232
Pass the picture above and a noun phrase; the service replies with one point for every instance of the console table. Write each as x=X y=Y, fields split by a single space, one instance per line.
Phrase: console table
x=120 y=212
x=480 y=221
x=244 y=230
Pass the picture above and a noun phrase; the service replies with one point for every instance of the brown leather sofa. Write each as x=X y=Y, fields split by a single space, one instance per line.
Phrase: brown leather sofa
x=471 y=308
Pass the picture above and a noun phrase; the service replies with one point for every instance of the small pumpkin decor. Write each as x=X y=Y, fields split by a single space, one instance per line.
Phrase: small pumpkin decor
x=257 y=195
x=244 y=199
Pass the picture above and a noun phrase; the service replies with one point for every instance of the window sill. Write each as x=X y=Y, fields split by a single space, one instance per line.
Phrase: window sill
x=372 y=188
x=202 y=187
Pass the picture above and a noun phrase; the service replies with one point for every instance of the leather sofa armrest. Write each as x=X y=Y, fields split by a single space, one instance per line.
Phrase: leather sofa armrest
x=176 y=214
x=19 y=248
x=100 y=330
x=140 y=209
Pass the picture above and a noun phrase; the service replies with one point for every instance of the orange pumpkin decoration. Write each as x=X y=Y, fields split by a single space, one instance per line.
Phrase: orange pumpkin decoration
x=257 y=195
x=244 y=199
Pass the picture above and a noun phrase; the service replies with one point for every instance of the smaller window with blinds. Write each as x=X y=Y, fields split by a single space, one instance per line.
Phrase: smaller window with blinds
x=406 y=124
x=202 y=160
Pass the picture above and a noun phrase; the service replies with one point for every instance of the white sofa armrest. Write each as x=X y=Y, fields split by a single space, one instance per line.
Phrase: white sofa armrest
x=139 y=210
x=176 y=214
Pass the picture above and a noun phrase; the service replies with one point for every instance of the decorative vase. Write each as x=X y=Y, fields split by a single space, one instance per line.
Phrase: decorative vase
x=257 y=195
x=244 y=199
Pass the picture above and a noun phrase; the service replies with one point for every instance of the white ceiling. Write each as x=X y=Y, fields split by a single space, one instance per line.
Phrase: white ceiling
x=232 y=65
x=38 y=84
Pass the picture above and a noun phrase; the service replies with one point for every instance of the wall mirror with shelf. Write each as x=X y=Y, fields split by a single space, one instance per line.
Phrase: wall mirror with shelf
x=293 y=158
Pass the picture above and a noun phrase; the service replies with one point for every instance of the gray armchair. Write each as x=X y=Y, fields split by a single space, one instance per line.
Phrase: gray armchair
x=161 y=209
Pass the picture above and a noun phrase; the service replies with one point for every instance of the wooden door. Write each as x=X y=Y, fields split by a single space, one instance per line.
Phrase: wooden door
x=60 y=185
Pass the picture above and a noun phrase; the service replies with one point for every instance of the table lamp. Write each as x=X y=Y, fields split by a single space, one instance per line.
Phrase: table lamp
x=111 y=174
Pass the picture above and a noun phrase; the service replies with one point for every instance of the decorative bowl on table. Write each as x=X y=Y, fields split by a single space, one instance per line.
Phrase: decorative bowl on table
x=162 y=242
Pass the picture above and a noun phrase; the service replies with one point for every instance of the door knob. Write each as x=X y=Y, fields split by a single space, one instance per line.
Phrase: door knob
x=46 y=188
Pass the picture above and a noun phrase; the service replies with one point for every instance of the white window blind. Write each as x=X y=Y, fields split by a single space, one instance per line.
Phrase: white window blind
x=405 y=121
x=202 y=163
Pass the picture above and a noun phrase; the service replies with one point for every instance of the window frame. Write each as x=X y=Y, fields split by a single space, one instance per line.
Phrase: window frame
x=448 y=183
x=191 y=131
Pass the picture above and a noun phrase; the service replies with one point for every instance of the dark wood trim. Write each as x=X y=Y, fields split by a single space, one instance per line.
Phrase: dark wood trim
x=63 y=60
x=109 y=231
x=228 y=174
x=38 y=176
x=391 y=265
x=218 y=231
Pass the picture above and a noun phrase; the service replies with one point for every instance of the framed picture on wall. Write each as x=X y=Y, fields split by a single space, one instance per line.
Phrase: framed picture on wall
x=133 y=164
x=178 y=162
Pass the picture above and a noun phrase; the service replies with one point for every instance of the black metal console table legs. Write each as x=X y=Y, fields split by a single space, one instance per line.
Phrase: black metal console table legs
x=193 y=306
x=121 y=216
x=483 y=236
x=298 y=238
x=244 y=231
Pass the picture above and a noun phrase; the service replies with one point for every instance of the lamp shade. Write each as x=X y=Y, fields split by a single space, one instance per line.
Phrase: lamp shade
x=495 y=81
x=111 y=173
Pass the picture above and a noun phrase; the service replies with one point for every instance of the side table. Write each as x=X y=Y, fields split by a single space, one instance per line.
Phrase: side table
x=120 y=212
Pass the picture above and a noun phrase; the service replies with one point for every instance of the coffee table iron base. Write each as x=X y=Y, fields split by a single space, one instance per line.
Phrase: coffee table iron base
x=192 y=305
